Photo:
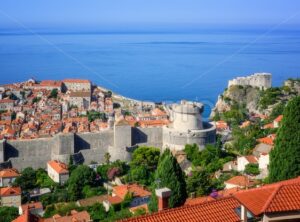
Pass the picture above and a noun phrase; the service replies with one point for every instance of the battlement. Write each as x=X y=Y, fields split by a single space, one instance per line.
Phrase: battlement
x=260 y=80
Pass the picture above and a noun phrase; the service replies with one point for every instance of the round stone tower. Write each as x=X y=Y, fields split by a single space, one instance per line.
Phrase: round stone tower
x=187 y=116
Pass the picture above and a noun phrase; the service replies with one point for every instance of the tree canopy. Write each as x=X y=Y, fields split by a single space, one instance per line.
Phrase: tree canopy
x=8 y=214
x=285 y=157
x=80 y=177
x=27 y=180
x=170 y=175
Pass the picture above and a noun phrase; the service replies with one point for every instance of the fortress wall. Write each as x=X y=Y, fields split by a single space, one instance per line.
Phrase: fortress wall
x=152 y=136
x=2 y=157
x=93 y=146
x=24 y=153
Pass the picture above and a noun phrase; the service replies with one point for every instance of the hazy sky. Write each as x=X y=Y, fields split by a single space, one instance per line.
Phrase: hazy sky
x=97 y=14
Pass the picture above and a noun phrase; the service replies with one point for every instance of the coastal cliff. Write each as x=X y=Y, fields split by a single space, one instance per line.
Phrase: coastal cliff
x=242 y=100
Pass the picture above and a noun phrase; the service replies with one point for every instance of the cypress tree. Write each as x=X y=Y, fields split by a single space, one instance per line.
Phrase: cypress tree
x=171 y=176
x=285 y=157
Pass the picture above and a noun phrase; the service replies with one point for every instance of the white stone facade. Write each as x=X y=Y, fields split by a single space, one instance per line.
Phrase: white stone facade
x=260 y=80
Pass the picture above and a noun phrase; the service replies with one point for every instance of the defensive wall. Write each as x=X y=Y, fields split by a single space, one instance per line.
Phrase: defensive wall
x=85 y=146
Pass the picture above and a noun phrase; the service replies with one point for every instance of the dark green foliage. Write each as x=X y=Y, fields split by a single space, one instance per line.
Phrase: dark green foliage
x=43 y=180
x=116 y=105
x=13 y=115
x=57 y=196
x=143 y=164
x=252 y=169
x=36 y=99
x=269 y=97
x=245 y=139
x=27 y=180
x=171 y=176
x=93 y=115
x=211 y=158
x=199 y=182
x=8 y=214
x=97 y=212
x=108 y=94
x=277 y=110
x=53 y=94
x=146 y=156
x=236 y=114
x=104 y=169
x=79 y=178
x=285 y=157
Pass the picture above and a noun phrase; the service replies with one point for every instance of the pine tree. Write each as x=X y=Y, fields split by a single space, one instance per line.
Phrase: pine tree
x=285 y=157
x=171 y=176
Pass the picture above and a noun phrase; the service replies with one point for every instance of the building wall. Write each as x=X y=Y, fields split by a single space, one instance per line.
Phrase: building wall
x=53 y=174
x=261 y=80
x=241 y=163
x=10 y=201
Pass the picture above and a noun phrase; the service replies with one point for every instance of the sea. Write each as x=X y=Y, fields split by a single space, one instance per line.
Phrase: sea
x=152 y=66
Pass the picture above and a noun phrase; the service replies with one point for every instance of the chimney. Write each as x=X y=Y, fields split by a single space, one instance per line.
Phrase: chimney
x=244 y=217
x=163 y=195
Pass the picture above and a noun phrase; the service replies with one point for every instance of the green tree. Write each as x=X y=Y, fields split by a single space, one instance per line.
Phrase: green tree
x=27 y=180
x=53 y=93
x=252 y=169
x=199 y=182
x=80 y=177
x=171 y=176
x=285 y=157
x=43 y=180
x=147 y=156
x=8 y=214
x=97 y=212
x=107 y=157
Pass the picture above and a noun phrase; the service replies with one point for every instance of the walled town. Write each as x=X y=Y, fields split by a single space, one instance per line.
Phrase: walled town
x=76 y=152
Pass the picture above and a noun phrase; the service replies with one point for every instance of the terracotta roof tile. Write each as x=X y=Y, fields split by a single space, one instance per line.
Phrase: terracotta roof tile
x=213 y=211
x=279 y=118
x=76 y=81
x=9 y=173
x=58 y=166
x=10 y=191
x=136 y=189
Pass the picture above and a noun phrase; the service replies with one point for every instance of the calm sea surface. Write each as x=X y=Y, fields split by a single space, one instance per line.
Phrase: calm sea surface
x=155 y=66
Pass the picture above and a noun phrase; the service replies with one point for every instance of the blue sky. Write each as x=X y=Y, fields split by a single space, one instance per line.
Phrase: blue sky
x=123 y=14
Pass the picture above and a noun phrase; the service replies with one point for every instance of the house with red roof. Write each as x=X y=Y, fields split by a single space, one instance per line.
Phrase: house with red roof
x=240 y=182
x=58 y=171
x=274 y=202
x=10 y=196
x=140 y=195
x=6 y=104
x=242 y=161
x=8 y=176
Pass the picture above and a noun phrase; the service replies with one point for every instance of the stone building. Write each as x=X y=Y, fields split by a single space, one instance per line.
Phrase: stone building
x=81 y=99
x=187 y=127
x=77 y=85
x=10 y=196
x=6 y=104
x=260 y=80
x=57 y=171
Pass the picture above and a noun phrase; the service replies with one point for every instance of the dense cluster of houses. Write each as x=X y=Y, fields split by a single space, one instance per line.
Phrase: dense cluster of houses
x=32 y=109
x=260 y=153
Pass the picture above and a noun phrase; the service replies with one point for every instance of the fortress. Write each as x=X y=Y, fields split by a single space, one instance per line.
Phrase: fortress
x=260 y=80
x=119 y=140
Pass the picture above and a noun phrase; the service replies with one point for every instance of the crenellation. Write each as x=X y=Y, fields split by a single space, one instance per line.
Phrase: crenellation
x=260 y=80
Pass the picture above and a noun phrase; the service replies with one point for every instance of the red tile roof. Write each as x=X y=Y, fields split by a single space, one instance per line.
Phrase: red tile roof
x=251 y=159
x=197 y=200
x=213 y=211
x=277 y=197
x=9 y=173
x=76 y=81
x=279 y=118
x=135 y=189
x=6 y=101
x=10 y=191
x=242 y=181
x=58 y=166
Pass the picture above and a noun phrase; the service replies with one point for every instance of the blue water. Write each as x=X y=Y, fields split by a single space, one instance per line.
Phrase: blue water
x=152 y=66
